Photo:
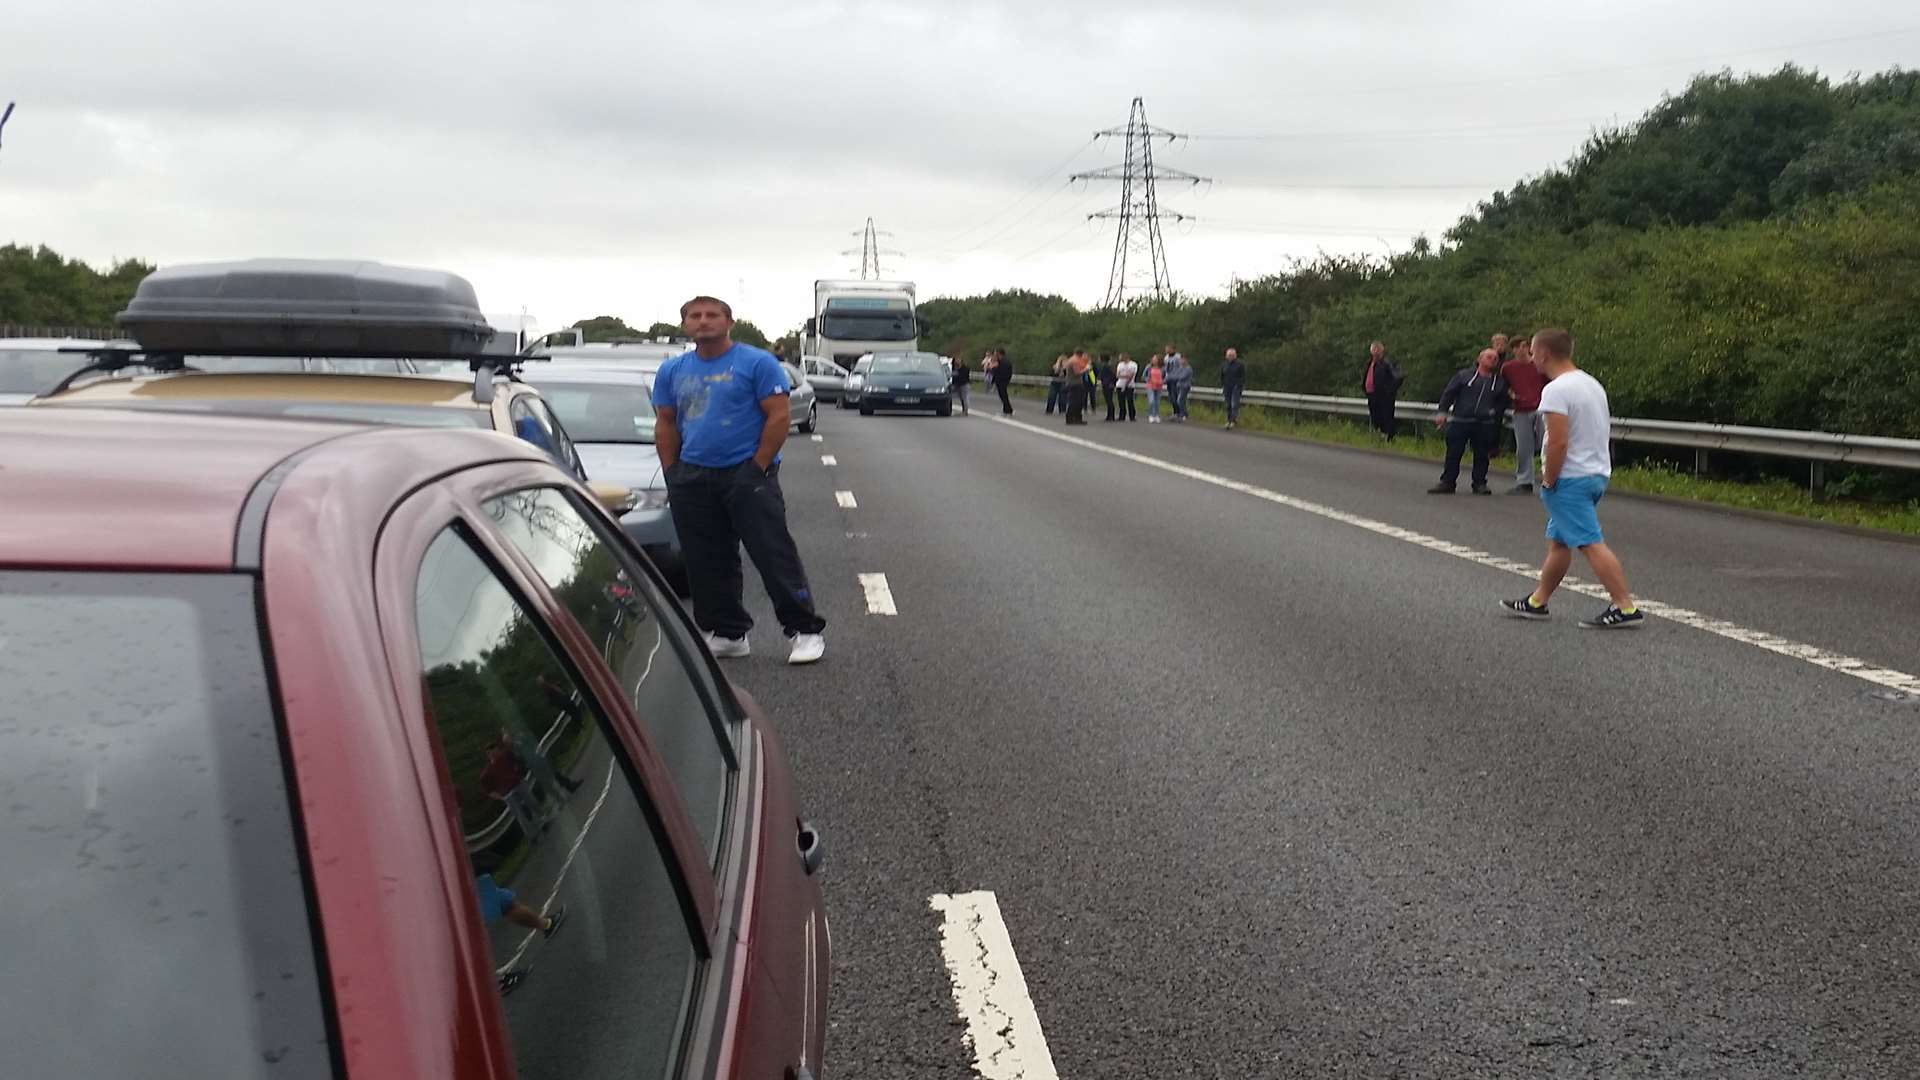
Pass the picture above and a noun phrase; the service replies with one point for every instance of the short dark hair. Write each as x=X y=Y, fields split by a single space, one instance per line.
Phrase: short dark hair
x=724 y=306
x=1557 y=343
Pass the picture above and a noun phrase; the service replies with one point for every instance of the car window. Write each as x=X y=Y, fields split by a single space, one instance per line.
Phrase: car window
x=534 y=424
x=602 y=412
x=156 y=917
x=590 y=944
x=794 y=379
x=643 y=642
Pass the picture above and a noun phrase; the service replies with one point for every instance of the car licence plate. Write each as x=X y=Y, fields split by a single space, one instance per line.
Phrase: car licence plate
x=908 y=400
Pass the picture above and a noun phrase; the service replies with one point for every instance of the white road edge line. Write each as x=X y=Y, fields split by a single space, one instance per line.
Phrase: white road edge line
x=1003 y=1031
x=829 y=459
x=845 y=499
x=1812 y=654
x=879 y=597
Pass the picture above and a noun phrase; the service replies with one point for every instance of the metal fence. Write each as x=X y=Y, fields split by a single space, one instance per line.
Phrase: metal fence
x=1817 y=448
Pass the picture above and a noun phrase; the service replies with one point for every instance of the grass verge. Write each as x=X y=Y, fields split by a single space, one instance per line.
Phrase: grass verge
x=1775 y=496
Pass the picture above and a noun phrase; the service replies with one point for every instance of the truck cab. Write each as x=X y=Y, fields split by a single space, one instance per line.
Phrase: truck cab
x=854 y=318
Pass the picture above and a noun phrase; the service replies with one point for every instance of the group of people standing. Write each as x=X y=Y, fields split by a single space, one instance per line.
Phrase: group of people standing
x=1076 y=376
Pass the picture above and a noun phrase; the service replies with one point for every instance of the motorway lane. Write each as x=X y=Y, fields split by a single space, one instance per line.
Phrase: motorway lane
x=1265 y=794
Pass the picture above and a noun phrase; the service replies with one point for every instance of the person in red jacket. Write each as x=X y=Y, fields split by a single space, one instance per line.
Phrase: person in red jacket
x=1524 y=383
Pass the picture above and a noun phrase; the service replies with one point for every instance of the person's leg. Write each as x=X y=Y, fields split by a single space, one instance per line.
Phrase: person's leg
x=1077 y=403
x=520 y=804
x=1153 y=406
x=1485 y=437
x=960 y=395
x=1607 y=568
x=1006 y=405
x=1526 y=447
x=712 y=551
x=1107 y=392
x=758 y=511
x=1456 y=436
x=1552 y=571
x=1053 y=395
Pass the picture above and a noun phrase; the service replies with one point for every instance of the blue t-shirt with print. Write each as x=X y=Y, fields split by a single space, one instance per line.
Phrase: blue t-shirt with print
x=716 y=403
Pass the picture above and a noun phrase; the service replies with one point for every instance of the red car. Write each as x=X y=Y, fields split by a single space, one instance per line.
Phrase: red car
x=341 y=751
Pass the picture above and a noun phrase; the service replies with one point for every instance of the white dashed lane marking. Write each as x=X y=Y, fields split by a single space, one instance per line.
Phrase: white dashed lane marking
x=1003 y=1031
x=879 y=596
x=829 y=460
x=818 y=438
x=845 y=499
x=1812 y=654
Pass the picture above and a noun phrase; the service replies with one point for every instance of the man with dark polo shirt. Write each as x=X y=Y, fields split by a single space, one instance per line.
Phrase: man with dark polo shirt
x=721 y=417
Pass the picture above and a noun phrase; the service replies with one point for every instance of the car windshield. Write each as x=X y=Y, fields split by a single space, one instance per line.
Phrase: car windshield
x=352 y=412
x=156 y=913
x=909 y=364
x=868 y=325
x=601 y=412
x=35 y=371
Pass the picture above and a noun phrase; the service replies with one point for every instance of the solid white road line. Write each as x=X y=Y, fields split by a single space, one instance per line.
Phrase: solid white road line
x=1812 y=654
x=845 y=499
x=879 y=597
x=829 y=460
x=1002 y=1029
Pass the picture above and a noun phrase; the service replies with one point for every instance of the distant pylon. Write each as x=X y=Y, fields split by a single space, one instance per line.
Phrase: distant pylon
x=1139 y=211
x=870 y=251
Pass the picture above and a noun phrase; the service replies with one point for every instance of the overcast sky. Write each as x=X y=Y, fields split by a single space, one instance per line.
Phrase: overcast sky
x=585 y=157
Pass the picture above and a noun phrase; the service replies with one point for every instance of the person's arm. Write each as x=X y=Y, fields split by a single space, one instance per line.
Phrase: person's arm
x=773 y=433
x=1556 y=455
x=1447 y=398
x=666 y=437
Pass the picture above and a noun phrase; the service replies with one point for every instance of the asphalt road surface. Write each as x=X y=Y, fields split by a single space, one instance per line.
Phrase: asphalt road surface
x=1268 y=787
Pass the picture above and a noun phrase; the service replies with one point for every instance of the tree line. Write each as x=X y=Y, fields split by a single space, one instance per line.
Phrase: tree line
x=1747 y=252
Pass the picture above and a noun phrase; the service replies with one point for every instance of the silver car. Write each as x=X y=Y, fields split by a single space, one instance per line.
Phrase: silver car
x=802 y=401
x=828 y=379
x=608 y=412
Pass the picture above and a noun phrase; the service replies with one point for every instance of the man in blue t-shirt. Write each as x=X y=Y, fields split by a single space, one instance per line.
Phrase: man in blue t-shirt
x=721 y=417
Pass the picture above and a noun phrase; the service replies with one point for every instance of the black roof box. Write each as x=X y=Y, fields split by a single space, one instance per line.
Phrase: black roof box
x=306 y=306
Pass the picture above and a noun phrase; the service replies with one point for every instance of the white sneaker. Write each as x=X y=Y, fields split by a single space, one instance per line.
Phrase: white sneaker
x=726 y=647
x=807 y=648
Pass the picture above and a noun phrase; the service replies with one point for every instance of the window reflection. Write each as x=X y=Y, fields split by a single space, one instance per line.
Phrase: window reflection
x=643 y=643
x=590 y=944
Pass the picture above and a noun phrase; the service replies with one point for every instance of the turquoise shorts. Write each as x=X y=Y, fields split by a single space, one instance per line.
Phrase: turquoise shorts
x=1573 y=515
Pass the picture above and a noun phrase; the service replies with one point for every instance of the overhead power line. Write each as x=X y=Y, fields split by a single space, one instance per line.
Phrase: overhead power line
x=1139 y=213
x=1025 y=195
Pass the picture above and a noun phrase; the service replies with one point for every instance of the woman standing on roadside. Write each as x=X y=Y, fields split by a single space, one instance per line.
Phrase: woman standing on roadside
x=1156 y=385
x=1123 y=375
x=962 y=375
x=1057 y=385
x=1078 y=367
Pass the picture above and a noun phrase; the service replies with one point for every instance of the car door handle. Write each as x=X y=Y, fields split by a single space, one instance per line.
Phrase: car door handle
x=813 y=848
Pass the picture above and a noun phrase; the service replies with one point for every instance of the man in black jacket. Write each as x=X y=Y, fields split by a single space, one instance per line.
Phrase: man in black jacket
x=1233 y=383
x=1471 y=411
x=1002 y=378
x=1381 y=383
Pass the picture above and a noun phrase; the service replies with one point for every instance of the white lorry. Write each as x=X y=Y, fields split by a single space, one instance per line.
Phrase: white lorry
x=854 y=318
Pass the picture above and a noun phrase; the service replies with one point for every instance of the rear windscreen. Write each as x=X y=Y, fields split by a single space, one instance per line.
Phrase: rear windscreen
x=35 y=371
x=153 y=918
x=342 y=411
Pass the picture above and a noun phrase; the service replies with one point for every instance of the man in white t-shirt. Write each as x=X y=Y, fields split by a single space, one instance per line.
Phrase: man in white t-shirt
x=1124 y=374
x=1578 y=461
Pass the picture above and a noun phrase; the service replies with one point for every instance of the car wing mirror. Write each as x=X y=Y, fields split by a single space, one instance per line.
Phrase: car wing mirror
x=617 y=498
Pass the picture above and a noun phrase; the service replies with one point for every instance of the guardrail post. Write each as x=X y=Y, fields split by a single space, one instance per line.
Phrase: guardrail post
x=1699 y=462
x=1817 y=481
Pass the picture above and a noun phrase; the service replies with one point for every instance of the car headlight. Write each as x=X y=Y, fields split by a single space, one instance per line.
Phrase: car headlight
x=652 y=499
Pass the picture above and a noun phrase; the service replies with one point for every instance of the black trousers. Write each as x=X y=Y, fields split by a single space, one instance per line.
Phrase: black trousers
x=1484 y=438
x=716 y=511
x=1107 y=391
x=1126 y=403
x=1380 y=410
x=1077 y=402
x=1006 y=406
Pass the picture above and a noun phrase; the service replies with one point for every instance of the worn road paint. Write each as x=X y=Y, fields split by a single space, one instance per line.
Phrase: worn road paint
x=1003 y=1031
x=845 y=499
x=829 y=460
x=879 y=597
x=1812 y=654
x=818 y=438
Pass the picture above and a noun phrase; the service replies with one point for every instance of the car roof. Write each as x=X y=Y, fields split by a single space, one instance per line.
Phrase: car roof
x=374 y=389
x=120 y=489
